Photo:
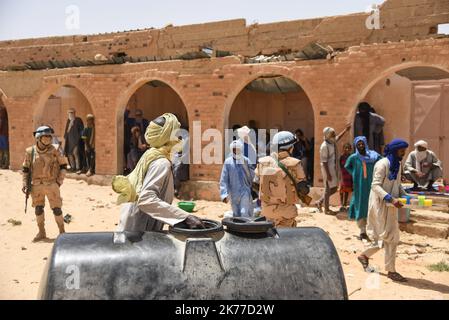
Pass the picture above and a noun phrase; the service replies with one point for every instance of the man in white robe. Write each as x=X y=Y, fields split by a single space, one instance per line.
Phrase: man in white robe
x=383 y=225
x=423 y=167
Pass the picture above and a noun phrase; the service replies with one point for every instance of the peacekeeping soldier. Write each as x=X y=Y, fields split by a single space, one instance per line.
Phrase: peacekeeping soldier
x=280 y=177
x=44 y=169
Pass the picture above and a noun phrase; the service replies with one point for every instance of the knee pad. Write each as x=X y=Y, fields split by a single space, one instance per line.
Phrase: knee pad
x=39 y=210
x=57 y=211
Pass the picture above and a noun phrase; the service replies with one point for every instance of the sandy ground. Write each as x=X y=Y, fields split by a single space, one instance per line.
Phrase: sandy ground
x=93 y=209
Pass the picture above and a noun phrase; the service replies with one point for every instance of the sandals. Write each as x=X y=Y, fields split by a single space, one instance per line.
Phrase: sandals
x=319 y=206
x=331 y=213
x=364 y=261
x=396 y=277
x=364 y=236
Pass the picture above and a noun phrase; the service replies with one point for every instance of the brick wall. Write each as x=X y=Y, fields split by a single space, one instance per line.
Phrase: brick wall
x=209 y=88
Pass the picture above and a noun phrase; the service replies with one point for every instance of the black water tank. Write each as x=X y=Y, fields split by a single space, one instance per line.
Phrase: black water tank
x=293 y=264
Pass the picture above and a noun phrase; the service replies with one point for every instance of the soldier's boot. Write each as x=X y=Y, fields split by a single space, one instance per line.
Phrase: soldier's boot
x=59 y=219
x=40 y=219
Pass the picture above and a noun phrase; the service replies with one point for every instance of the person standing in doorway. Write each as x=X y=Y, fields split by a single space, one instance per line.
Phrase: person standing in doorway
x=329 y=167
x=301 y=151
x=236 y=182
x=4 y=139
x=89 y=144
x=180 y=161
x=138 y=121
x=137 y=148
x=72 y=136
x=129 y=123
x=249 y=150
x=369 y=125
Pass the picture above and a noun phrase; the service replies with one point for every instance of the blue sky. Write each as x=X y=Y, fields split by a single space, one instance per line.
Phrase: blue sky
x=32 y=18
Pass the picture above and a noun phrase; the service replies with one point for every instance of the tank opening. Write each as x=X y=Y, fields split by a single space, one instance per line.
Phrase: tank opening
x=258 y=226
x=211 y=227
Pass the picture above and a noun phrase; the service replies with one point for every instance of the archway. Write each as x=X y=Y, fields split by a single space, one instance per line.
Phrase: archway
x=54 y=113
x=414 y=102
x=153 y=99
x=4 y=135
x=275 y=102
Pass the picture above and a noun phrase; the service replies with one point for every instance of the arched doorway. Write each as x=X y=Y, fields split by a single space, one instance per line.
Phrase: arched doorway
x=151 y=100
x=279 y=103
x=4 y=135
x=414 y=102
x=54 y=113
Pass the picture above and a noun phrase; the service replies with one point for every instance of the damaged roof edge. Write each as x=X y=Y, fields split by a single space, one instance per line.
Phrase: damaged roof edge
x=312 y=51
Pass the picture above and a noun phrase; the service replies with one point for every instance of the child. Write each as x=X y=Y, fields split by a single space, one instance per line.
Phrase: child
x=346 y=178
x=236 y=181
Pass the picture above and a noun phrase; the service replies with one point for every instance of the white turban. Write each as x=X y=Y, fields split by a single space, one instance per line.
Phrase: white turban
x=243 y=132
x=236 y=144
x=422 y=143
x=421 y=155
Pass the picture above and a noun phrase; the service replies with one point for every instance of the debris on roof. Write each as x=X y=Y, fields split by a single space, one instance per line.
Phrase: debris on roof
x=312 y=51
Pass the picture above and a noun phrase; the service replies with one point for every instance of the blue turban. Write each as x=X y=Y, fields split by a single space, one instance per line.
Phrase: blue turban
x=371 y=156
x=391 y=152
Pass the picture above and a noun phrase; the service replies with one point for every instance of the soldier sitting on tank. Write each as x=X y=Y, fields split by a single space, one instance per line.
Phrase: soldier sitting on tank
x=148 y=190
x=47 y=168
x=277 y=188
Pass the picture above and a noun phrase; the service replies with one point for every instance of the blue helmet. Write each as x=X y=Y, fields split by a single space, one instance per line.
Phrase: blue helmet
x=43 y=131
x=284 y=140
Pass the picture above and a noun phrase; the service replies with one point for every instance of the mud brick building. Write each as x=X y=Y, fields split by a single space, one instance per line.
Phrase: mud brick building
x=223 y=73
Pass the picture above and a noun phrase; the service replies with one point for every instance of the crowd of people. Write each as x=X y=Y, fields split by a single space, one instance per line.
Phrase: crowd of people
x=79 y=145
x=267 y=182
x=370 y=183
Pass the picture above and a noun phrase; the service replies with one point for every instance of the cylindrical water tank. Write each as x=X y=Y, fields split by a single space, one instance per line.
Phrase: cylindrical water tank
x=293 y=264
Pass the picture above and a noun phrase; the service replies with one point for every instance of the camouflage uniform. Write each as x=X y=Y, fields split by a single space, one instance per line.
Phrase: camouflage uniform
x=48 y=168
x=277 y=191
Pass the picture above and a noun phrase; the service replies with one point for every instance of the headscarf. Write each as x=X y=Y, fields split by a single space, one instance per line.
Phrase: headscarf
x=422 y=143
x=162 y=140
x=391 y=151
x=420 y=155
x=243 y=132
x=371 y=156
x=239 y=145
x=327 y=134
